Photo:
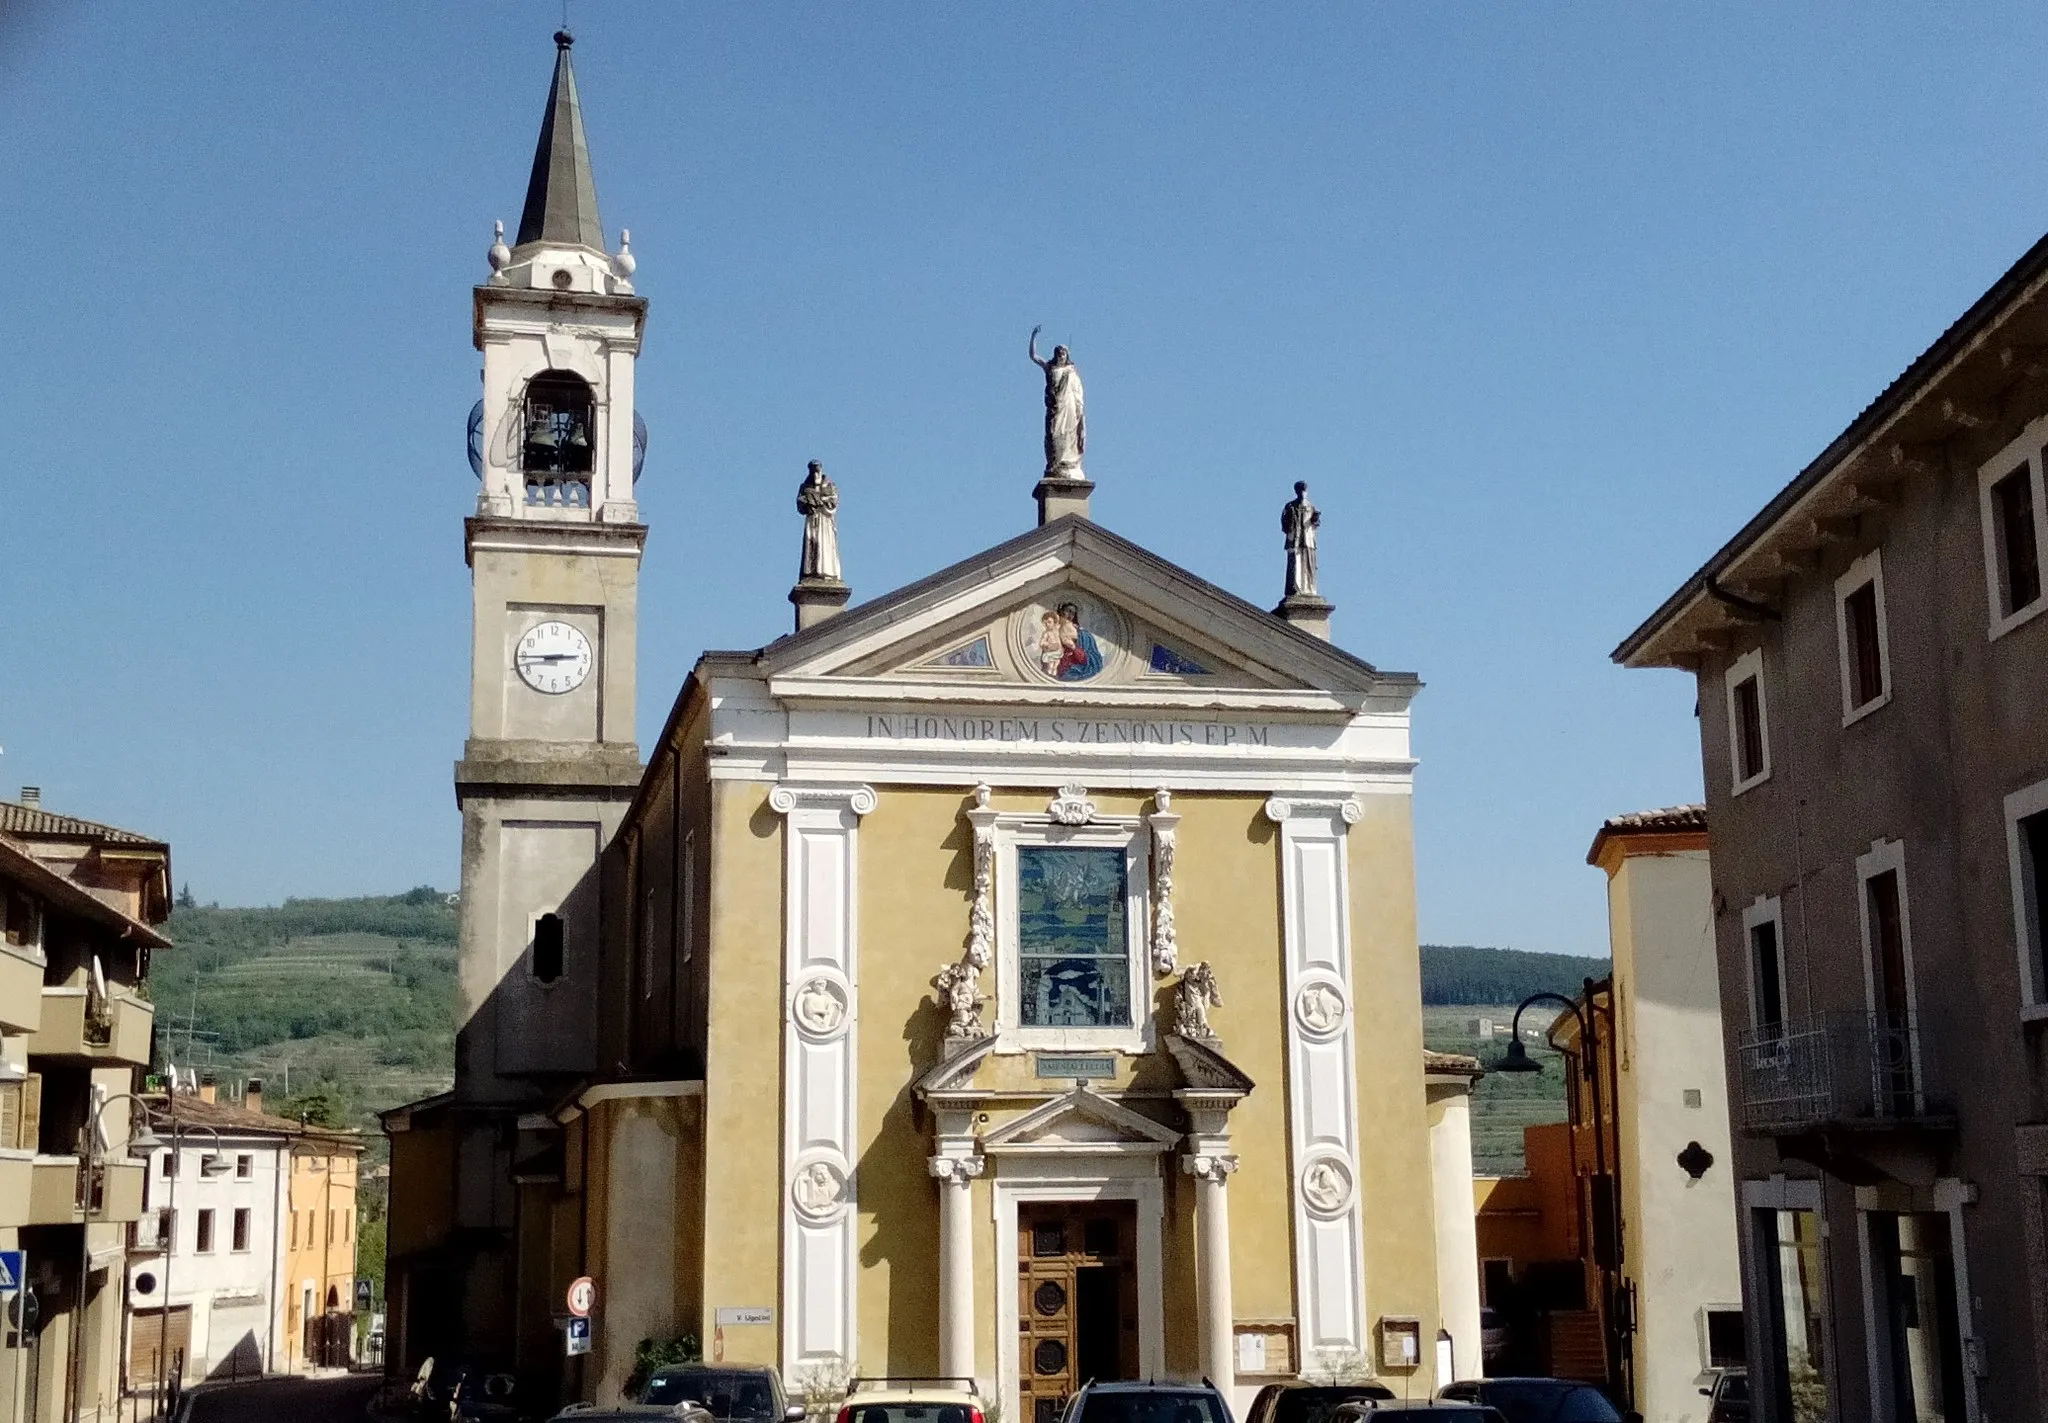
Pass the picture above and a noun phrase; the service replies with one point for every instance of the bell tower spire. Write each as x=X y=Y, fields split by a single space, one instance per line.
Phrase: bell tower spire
x=561 y=196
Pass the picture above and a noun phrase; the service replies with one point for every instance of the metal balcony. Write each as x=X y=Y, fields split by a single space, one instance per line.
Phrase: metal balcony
x=1830 y=1070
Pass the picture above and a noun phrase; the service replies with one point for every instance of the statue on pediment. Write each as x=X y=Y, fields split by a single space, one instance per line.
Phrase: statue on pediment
x=1066 y=423
x=1299 y=521
x=817 y=499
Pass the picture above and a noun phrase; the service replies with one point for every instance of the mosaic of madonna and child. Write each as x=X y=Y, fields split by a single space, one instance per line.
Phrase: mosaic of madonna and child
x=1072 y=639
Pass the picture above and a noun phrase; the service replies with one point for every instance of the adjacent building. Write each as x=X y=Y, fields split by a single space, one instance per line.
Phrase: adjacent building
x=78 y=902
x=1872 y=672
x=244 y=1255
x=967 y=983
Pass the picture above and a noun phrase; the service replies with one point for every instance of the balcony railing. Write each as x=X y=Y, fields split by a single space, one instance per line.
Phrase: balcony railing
x=1833 y=1069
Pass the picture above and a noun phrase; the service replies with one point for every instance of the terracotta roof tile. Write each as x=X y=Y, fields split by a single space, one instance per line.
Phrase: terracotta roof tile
x=1670 y=817
x=1451 y=1062
x=34 y=822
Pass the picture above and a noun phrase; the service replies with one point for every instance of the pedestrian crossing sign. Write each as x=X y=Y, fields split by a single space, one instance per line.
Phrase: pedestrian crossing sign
x=12 y=1266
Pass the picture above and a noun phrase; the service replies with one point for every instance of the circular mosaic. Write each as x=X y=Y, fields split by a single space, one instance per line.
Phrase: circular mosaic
x=1069 y=636
x=1049 y=1357
x=1049 y=1298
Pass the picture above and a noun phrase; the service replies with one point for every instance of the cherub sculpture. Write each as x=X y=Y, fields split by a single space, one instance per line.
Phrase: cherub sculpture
x=1193 y=996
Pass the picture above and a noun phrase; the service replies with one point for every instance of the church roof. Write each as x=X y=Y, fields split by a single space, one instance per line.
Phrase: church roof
x=561 y=196
x=1086 y=540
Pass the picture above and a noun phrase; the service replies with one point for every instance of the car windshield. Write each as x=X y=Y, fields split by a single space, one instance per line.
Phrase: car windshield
x=1549 y=1401
x=1314 y=1405
x=1734 y=1388
x=725 y=1393
x=1462 y=1413
x=1152 y=1406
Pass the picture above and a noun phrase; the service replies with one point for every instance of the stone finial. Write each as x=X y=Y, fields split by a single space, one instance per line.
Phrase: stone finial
x=820 y=592
x=1300 y=603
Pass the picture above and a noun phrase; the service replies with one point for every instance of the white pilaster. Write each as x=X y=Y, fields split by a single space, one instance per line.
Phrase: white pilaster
x=1322 y=1077
x=955 y=1175
x=821 y=978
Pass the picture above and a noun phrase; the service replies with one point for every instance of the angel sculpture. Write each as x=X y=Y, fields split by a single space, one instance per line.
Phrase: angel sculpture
x=1193 y=996
x=957 y=984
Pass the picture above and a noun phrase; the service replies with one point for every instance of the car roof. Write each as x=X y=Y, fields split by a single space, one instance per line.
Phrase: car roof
x=1144 y=1386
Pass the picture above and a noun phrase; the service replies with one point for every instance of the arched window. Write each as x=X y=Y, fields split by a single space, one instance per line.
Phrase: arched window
x=547 y=948
x=557 y=437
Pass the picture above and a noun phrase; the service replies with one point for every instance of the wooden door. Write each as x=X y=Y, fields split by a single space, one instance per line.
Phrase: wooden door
x=146 y=1345
x=1077 y=1296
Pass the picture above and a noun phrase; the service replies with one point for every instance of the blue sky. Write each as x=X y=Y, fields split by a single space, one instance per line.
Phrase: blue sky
x=1541 y=300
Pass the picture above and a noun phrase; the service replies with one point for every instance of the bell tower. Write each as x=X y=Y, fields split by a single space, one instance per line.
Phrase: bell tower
x=554 y=555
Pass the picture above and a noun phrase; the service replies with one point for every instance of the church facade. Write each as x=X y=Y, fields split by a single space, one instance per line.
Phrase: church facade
x=1013 y=976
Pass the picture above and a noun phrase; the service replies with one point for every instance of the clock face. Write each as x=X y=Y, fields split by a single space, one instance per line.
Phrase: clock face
x=553 y=658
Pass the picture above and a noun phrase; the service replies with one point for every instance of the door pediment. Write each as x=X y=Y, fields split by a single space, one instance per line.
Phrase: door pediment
x=1081 y=1122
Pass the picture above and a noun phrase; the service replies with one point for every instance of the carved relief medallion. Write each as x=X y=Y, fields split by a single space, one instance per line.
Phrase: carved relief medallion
x=818 y=1190
x=1326 y=1186
x=1319 y=1008
x=818 y=1006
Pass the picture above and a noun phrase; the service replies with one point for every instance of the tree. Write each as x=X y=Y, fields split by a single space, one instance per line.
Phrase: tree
x=185 y=899
x=320 y=1106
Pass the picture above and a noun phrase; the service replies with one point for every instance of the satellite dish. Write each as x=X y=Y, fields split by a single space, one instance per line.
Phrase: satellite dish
x=476 y=439
x=639 y=444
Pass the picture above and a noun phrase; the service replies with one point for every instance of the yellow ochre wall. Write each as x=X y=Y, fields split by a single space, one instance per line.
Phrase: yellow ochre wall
x=916 y=876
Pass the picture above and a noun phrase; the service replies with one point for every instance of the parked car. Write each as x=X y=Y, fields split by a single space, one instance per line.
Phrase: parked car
x=1422 y=1410
x=626 y=1413
x=1730 y=1395
x=1298 y=1401
x=1536 y=1400
x=925 y=1399
x=1124 y=1402
x=730 y=1395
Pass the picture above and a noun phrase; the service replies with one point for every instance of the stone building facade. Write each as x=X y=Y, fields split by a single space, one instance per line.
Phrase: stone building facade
x=1871 y=665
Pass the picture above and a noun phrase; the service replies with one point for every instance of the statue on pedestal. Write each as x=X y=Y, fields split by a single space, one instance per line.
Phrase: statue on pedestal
x=1066 y=423
x=817 y=499
x=1299 y=521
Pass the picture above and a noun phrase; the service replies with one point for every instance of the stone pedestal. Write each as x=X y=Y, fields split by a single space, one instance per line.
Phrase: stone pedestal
x=1308 y=612
x=817 y=599
x=1059 y=497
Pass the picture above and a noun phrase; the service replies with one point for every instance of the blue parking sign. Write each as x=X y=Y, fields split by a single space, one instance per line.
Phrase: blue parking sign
x=13 y=1265
x=578 y=1336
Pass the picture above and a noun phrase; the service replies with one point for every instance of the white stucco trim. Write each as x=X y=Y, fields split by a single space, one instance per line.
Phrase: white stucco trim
x=635 y=1092
x=1322 y=1073
x=1867 y=569
x=2030 y=939
x=1764 y=909
x=1070 y=1178
x=820 y=1195
x=1950 y=1196
x=2023 y=452
x=1890 y=855
x=1746 y=668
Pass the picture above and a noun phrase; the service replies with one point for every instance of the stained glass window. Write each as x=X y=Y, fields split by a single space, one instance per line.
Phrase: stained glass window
x=1073 y=950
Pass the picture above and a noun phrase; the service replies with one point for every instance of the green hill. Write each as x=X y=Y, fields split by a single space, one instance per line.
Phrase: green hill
x=353 y=999
x=1458 y=973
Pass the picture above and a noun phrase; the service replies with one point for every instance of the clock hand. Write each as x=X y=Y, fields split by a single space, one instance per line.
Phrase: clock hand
x=528 y=658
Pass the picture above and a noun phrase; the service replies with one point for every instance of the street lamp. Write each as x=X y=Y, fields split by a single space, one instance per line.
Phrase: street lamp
x=1517 y=1059
x=91 y=1159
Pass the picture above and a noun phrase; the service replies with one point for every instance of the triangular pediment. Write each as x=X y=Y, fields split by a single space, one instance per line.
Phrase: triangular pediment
x=1081 y=1121
x=1071 y=609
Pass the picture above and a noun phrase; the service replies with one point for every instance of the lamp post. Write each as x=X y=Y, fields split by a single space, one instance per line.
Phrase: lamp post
x=91 y=1159
x=1517 y=1059
x=211 y=1166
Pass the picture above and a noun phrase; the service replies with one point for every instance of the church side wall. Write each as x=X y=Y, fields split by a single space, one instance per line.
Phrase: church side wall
x=1394 y=1172
x=743 y=1069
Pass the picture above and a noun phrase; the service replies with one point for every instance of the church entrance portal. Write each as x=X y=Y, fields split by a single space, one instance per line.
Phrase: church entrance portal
x=1077 y=1306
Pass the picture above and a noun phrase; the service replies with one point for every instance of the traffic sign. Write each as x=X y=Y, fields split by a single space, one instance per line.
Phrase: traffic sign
x=13 y=1266
x=577 y=1339
x=365 y=1295
x=582 y=1296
